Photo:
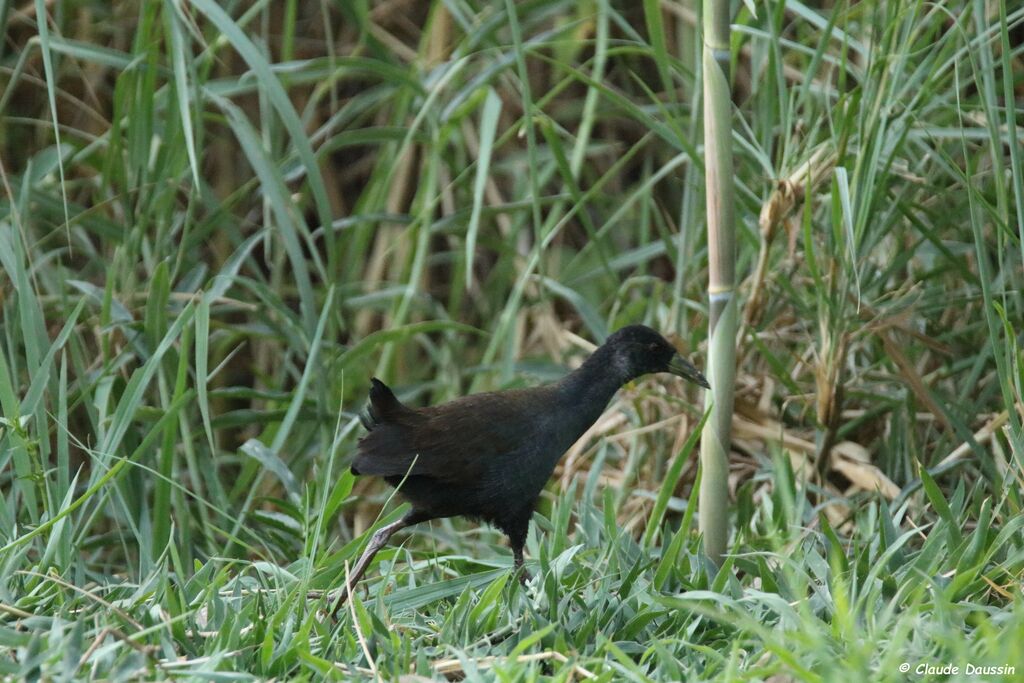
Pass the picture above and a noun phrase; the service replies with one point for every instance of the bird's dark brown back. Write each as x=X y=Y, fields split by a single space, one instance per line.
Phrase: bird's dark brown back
x=458 y=441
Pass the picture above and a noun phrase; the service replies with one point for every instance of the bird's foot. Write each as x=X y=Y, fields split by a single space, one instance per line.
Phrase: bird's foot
x=523 y=575
x=518 y=567
x=336 y=606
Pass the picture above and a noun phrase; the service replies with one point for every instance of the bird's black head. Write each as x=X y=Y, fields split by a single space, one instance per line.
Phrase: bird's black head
x=638 y=350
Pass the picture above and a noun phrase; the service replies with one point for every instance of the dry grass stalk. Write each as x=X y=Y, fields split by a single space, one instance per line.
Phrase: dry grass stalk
x=981 y=436
x=913 y=379
x=848 y=458
x=789 y=192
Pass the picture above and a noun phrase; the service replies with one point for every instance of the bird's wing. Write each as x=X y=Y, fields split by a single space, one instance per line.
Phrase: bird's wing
x=451 y=442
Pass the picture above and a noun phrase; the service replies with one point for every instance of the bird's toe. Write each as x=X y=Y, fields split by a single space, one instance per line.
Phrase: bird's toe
x=523 y=575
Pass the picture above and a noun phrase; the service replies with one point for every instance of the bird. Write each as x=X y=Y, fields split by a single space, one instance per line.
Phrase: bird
x=487 y=456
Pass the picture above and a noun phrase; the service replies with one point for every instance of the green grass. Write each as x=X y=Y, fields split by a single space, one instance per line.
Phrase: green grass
x=218 y=220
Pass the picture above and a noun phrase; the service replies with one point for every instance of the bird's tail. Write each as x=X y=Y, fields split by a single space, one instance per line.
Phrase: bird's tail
x=383 y=409
x=383 y=406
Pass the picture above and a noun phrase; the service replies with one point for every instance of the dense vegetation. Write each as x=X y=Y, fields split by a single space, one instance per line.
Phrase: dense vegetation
x=218 y=220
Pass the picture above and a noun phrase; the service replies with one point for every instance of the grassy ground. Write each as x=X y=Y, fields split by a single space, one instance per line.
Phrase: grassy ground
x=218 y=220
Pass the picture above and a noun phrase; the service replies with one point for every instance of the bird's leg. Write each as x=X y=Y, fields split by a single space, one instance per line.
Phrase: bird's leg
x=378 y=541
x=517 y=539
x=517 y=561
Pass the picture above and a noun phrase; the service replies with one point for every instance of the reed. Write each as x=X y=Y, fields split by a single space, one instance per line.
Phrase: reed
x=714 y=448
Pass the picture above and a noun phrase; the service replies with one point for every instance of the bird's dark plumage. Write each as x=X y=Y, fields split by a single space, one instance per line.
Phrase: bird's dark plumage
x=488 y=456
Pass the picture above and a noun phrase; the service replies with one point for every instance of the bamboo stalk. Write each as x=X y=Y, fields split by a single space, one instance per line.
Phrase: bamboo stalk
x=715 y=439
